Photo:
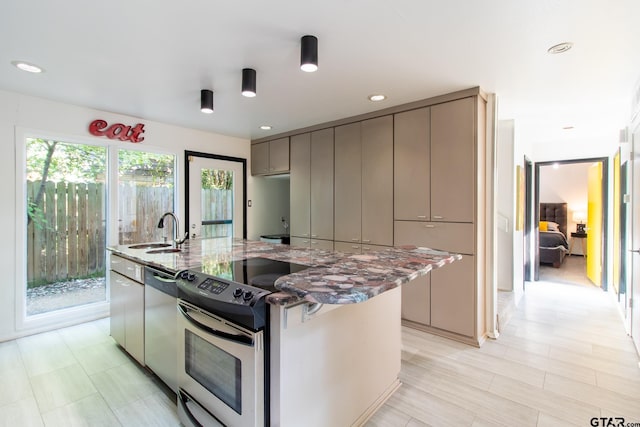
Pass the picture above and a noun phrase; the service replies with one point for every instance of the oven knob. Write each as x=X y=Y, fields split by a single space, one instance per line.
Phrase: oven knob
x=191 y=277
x=247 y=296
x=237 y=292
x=184 y=275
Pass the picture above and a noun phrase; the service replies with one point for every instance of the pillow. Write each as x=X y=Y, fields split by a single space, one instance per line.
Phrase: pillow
x=544 y=225
x=553 y=226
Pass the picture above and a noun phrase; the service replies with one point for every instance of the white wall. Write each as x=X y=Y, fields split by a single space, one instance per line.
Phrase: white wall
x=505 y=194
x=20 y=112
x=566 y=184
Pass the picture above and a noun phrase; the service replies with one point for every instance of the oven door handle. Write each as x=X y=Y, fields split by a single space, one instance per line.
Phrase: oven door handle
x=237 y=338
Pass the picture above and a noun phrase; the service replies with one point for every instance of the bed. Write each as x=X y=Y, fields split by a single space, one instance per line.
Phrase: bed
x=552 y=242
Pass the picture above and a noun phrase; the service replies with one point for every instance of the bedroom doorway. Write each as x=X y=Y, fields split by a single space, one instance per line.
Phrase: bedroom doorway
x=580 y=188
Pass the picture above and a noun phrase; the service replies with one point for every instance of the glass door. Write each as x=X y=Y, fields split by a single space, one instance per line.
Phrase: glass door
x=215 y=197
x=65 y=229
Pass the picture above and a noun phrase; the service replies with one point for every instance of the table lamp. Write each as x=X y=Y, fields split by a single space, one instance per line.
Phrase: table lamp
x=580 y=217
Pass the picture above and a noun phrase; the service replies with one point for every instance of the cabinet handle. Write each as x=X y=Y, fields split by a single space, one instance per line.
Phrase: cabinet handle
x=438 y=217
x=314 y=235
x=366 y=241
x=355 y=240
x=422 y=216
x=429 y=226
x=355 y=247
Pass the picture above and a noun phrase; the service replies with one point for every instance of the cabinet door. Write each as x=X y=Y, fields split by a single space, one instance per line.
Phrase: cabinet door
x=453 y=297
x=279 y=155
x=348 y=183
x=118 y=299
x=411 y=165
x=300 y=186
x=377 y=181
x=134 y=328
x=260 y=158
x=452 y=161
x=416 y=300
x=326 y=245
x=322 y=184
x=347 y=248
x=446 y=236
x=300 y=242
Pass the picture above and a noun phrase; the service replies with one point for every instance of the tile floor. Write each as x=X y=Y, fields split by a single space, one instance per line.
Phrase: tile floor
x=562 y=359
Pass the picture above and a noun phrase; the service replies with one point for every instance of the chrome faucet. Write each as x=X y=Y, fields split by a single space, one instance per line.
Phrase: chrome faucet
x=176 y=229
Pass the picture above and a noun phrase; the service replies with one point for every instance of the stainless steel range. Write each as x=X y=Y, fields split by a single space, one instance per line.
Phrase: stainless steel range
x=223 y=374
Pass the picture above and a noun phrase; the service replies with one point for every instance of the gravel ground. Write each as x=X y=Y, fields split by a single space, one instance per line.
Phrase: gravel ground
x=57 y=296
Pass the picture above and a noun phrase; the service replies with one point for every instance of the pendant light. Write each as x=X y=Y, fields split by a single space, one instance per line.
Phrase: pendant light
x=206 y=101
x=248 y=82
x=309 y=53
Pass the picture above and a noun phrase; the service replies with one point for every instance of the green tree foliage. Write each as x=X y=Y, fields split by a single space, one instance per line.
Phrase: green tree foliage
x=217 y=179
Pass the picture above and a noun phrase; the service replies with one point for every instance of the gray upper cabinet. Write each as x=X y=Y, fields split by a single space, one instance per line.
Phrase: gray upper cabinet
x=453 y=157
x=260 y=158
x=322 y=184
x=271 y=157
x=300 y=186
x=364 y=182
x=377 y=181
x=412 y=173
x=348 y=183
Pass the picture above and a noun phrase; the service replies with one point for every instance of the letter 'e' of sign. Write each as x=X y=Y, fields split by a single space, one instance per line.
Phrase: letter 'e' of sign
x=117 y=131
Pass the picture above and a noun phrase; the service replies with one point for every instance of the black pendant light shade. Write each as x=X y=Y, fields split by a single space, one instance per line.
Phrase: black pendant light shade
x=206 y=101
x=309 y=53
x=248 y=82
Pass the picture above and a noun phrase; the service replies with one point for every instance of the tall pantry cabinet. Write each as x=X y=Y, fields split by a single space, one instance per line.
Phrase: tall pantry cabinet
x=311 y=189
x=438 y=178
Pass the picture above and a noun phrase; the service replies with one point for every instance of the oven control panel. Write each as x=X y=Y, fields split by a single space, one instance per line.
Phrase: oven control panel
x=219 y=289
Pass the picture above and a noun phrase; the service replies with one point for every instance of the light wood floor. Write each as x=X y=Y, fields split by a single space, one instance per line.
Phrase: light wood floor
x=562 y=359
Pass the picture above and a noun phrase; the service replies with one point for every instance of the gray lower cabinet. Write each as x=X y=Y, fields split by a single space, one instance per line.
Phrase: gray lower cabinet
x=453 y=297
x=416 y=300
x=302 y=242
x=127 y=306
x=271 y=157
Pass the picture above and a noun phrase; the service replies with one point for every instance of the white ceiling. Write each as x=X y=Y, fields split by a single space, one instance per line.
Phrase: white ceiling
x=150 y=59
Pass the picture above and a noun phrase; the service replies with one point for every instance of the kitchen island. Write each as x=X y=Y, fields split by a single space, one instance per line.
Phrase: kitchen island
x=332 y=337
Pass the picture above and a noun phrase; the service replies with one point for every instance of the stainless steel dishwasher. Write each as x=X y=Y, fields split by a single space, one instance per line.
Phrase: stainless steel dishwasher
x=161 y=327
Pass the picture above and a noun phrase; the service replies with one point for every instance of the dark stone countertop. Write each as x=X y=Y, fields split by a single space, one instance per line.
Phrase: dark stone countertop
x=334 y=277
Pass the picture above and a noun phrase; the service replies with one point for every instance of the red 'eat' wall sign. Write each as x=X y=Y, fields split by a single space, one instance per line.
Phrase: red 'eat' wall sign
x=117 y=131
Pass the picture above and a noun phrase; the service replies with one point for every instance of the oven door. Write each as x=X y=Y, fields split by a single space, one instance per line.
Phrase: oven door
x=220 y=371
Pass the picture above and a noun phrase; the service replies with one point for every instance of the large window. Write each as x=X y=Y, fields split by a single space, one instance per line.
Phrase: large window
x=145 y=192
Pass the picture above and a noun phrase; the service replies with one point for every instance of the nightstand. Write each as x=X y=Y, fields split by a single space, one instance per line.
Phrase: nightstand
x=583 y=240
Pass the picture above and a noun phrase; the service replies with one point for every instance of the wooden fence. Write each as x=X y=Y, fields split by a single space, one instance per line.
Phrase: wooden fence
x=66 y=238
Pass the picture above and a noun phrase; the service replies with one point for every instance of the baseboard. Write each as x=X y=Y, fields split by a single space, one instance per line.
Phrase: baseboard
x=366 y=415
x=476 y=342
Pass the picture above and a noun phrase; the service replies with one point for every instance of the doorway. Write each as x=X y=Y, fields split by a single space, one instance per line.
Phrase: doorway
x=582 y=185
x=215 y=195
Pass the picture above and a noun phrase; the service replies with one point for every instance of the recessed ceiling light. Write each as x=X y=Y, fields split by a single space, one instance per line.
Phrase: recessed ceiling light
x=26 y=66
x=560 y=48
x=376 y=98
x=266 y=127
x=556 y=166
x=567 y=127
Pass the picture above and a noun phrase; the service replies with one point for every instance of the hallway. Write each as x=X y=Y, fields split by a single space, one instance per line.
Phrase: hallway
x=562 y=359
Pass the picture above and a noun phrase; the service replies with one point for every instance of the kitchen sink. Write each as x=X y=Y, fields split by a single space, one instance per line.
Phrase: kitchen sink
x=164 y=251
x=150 y=246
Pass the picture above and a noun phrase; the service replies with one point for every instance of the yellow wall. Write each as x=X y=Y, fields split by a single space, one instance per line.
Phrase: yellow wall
x=594 y=225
